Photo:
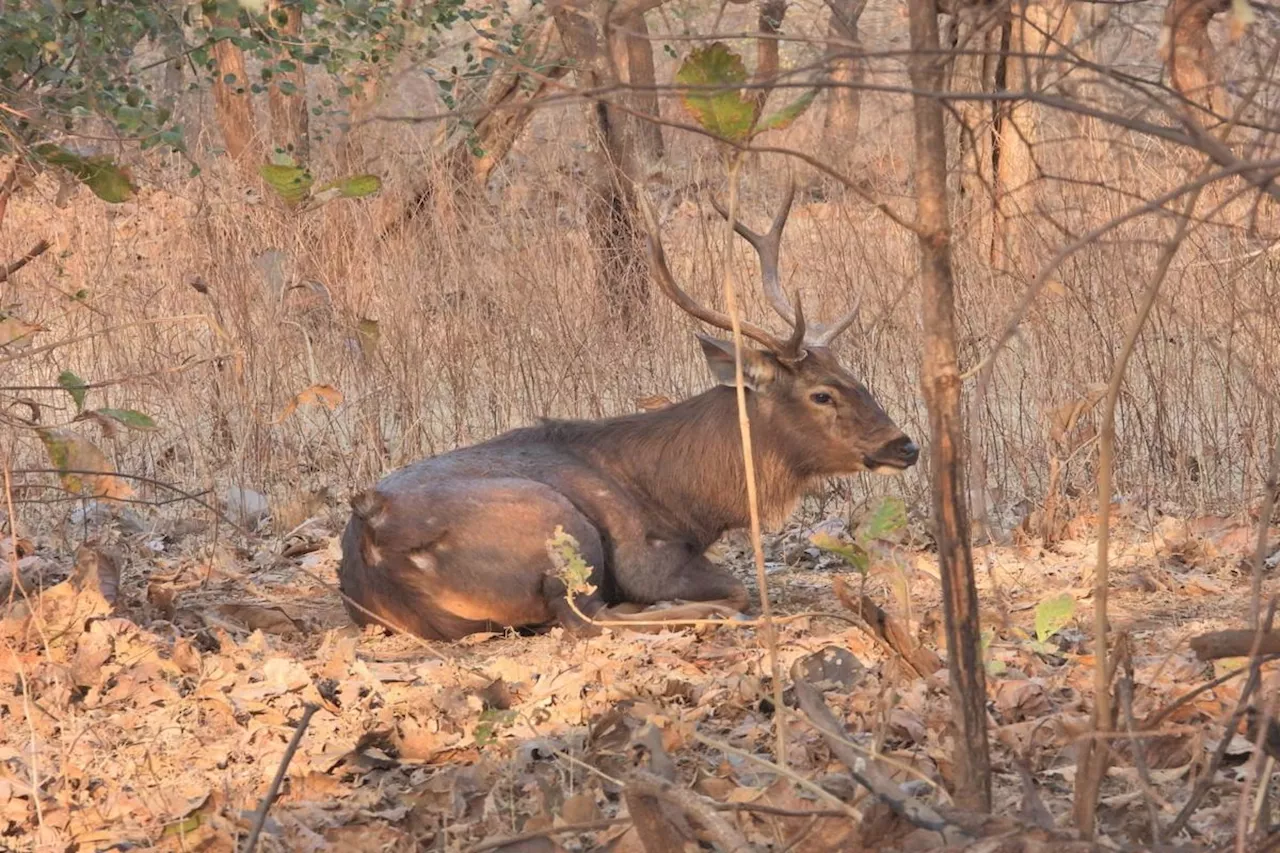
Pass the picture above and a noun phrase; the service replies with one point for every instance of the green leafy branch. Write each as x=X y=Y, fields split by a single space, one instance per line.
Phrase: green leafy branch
x=295 y=186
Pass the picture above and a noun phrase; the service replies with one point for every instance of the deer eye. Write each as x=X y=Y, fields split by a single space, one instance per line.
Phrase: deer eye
x=822 y=398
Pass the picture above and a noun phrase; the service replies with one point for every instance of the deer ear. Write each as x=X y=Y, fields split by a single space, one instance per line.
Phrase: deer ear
x=758 y=368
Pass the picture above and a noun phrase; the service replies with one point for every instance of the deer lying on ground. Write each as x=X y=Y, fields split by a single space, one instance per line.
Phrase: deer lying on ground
x=457 y=544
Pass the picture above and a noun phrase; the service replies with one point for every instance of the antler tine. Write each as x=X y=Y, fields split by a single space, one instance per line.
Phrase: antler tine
x=795 y=344
x=667 y=284
x=830 y=333
x=768 y=247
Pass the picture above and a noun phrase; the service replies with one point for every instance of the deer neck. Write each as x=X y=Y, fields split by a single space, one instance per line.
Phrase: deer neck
x=686 y=462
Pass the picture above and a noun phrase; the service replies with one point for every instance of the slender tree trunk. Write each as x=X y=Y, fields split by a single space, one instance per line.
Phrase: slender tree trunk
x=632 y=53
x=287 y=96
x=978 y=36
x=233 y=105
x=942 y=394
x=1018 y=128
x=846 y=70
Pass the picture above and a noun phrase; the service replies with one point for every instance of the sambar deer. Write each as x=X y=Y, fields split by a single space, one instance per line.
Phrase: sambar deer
x=457 y=544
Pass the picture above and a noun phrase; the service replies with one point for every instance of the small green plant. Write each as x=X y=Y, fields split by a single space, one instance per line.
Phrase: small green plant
x=84 y=468
x=885 y=521
x=491 y=723
x=571 y=567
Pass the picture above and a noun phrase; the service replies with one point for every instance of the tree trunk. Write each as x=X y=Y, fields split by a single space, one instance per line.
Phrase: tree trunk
x=633 y=57
x=287 y=95
x=1017 y=130
x=621 y=268
x=1189 y=54
x=233 y=104
x=942 y=395
x=846 y=71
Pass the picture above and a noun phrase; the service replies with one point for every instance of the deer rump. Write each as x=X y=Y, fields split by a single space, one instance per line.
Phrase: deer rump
x=457 y=544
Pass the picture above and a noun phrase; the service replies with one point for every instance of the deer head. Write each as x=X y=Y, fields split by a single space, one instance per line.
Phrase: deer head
x=804 y=399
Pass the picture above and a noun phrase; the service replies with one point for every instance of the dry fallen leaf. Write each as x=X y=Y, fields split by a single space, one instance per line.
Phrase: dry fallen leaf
x=315 y=395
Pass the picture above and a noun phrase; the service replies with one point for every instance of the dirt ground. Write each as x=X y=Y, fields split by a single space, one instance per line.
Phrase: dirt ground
x=148 y=699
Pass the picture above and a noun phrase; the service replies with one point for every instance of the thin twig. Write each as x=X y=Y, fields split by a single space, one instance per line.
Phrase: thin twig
x=149 y=481
x=566 y=829
x=260 y=817
x=1157 y=717
x=1264 y=530
x=864 y=771
x=1208 y=778
x=807 y=784
x=1095 y=753
x=1125 y=690
x=75 y=339
x=753 y=500
x=34 y=252
x=1258 y=777
x=695 y=806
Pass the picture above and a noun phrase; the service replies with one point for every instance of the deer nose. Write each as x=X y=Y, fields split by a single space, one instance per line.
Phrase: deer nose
x=901 y=449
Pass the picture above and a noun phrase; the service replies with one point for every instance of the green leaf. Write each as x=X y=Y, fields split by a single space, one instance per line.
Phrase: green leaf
x=291 y=182
x=108 y=181
x=1053 y=614
x=130 y=418
x=853 y=554
x=75 y=386
x=888 y=518
x=783 y=118
x=725 y=113
x=354 y=186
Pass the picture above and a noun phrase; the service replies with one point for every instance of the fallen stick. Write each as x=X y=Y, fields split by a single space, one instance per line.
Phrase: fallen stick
x=889 y=630
x=1235 y=644
x=646 y=784
x=260 y=817
x=864 y=771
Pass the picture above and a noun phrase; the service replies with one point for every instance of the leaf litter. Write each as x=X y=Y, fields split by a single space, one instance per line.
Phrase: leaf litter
x=146 y=701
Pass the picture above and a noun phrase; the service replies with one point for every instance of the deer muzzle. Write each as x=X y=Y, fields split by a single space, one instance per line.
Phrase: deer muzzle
x=898 y=454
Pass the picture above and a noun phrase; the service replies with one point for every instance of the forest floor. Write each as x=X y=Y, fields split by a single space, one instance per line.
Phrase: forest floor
x=150 y=701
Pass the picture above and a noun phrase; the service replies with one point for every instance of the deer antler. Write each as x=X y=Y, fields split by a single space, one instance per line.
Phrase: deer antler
x=667 y=283
x=768 y=247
